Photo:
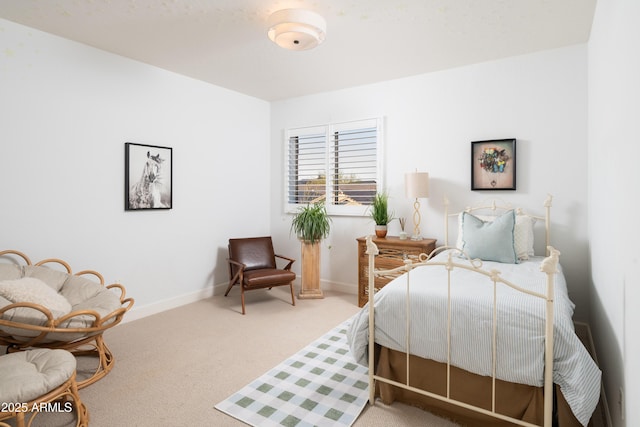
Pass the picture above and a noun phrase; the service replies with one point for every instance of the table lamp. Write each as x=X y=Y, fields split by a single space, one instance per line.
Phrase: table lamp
x=416 y=187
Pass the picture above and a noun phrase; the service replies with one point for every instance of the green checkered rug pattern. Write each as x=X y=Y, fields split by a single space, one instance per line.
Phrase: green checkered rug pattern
x=321 y=385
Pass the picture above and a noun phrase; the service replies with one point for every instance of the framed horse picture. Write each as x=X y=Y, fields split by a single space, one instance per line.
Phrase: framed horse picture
x=147 y=177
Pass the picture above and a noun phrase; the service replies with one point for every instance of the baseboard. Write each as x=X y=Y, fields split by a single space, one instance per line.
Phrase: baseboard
x=167 y=304
x=219 y=289
x=347 y=288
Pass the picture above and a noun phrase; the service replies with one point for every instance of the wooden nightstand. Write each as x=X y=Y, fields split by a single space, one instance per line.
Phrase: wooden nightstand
x=392 y=252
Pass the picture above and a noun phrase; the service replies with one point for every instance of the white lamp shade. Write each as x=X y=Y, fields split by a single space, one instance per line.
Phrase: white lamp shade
x=417 y=185
x=297 y=29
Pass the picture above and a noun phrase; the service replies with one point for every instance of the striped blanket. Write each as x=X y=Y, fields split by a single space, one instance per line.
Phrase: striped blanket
x=520 y=332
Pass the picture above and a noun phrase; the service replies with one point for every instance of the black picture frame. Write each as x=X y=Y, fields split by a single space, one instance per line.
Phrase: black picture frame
x=493 y=164
x=148 y=177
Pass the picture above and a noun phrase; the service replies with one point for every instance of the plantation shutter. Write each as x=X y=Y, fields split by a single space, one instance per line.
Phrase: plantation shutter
x=338 y=165
x=353 y=163
x=306 y=164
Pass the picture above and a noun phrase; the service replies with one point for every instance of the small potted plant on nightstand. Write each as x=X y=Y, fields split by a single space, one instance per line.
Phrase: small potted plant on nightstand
x=311 y=224
x=380 y=213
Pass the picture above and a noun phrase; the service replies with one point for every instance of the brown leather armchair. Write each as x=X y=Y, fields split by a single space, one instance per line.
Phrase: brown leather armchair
x=252 y=265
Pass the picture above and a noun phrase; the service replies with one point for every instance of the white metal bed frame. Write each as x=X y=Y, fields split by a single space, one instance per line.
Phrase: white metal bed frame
x=549 y=267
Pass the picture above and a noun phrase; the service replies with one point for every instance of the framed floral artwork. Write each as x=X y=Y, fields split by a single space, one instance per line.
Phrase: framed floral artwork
x=493 y=164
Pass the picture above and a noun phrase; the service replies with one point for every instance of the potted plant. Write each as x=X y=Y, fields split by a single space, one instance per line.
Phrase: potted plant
x=380 y=213
x=311 y=224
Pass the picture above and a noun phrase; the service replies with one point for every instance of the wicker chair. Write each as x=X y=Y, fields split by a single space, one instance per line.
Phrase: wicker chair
x=252 y=265
x=94 y=308
x=39 y=380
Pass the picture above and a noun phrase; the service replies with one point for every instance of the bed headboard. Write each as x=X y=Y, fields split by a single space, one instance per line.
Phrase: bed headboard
x=496 y=207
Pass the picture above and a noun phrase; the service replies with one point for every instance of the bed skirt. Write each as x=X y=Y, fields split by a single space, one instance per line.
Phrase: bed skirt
x=519 y=401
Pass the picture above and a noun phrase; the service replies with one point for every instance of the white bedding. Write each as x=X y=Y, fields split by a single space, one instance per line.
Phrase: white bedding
x=520 y=333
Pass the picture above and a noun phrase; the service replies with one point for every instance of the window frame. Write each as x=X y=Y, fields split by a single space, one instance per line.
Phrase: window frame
x=328 y=131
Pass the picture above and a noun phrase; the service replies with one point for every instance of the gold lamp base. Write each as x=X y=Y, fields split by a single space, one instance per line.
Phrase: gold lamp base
x=416 y=221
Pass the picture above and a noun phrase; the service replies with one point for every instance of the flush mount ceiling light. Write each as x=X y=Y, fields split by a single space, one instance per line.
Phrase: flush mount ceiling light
x=297 y=29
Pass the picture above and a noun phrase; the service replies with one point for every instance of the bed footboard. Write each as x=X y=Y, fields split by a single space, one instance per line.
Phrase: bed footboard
x=549 y=267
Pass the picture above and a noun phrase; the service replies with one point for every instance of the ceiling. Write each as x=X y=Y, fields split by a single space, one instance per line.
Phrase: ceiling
x=224 y=42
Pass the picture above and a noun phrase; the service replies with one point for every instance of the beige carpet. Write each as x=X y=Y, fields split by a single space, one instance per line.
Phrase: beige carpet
x=173 y=367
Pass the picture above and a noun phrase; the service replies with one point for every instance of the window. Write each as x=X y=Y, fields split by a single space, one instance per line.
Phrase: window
x=338 y=164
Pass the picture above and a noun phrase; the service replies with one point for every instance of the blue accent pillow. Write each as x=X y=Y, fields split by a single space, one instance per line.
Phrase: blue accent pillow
x=490 y=240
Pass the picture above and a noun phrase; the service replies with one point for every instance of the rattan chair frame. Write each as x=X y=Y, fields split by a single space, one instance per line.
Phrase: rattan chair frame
x=90 y=344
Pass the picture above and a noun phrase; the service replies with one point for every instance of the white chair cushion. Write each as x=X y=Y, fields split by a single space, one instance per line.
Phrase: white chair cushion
x=50 y=276
x=10 y=271
x=27 y=375
x=79 y=292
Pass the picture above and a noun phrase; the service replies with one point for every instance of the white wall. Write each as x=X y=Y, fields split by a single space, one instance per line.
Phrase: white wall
x=614 y=108
x=540 y=99
x=66 y=111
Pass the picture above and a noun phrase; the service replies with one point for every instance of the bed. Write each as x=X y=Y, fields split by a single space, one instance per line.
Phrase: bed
x=480 y=332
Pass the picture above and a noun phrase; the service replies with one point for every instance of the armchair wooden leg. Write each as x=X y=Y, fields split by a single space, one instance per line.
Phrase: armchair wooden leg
x=293 y=298
x=242 y=298
x=229 y=288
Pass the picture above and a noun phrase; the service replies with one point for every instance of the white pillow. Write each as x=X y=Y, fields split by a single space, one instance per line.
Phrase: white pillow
x=30 y=289
x=522 y=236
